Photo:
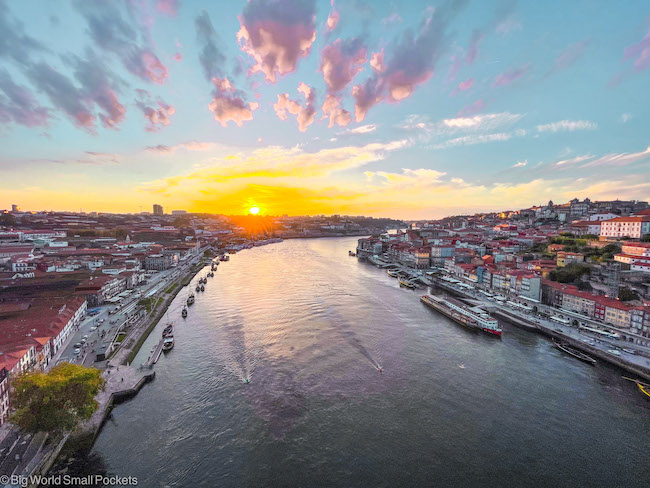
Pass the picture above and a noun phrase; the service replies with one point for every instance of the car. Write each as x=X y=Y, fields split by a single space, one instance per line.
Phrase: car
x=83 y=341
x=93 y=328
x=77 y=345
x=77 y=351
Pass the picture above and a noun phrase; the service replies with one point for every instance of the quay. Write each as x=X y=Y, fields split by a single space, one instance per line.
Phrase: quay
x=636 y=364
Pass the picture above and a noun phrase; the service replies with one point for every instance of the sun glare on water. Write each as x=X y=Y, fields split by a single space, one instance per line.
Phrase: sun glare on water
x=254 y=210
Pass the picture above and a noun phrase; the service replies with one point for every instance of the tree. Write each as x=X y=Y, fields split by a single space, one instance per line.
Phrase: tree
x=56 y=401
x=7 y=219
x=625 y=294
x=645 y=238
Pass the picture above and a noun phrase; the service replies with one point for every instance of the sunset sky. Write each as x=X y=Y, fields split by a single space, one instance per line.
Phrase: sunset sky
x=385 y=108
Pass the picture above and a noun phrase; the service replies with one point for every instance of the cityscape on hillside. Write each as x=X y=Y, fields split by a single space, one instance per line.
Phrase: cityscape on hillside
x=324 y=243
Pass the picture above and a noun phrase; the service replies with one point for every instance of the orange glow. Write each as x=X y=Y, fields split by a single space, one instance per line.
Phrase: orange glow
x=254 y=210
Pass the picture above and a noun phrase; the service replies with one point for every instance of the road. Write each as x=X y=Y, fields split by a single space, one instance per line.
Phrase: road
x=105 y=325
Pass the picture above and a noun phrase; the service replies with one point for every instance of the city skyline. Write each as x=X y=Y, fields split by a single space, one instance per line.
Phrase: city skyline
x=358 y=108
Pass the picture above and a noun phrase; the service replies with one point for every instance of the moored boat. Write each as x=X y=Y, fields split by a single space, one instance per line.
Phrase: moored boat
x=190 y=299
x=393 y=274
x=198 y=288
x=169 y=330
x=351 y=253
x=574 y=352
x=406 y=284
x=202 y=287
x=168 y=343
x=462 y=314
x=184 y=311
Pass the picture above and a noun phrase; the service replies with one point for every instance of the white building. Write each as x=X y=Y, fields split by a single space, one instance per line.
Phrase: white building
x=634 y=227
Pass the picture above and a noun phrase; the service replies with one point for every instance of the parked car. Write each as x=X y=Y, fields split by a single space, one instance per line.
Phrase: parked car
x=77 y=345
x=77 y=351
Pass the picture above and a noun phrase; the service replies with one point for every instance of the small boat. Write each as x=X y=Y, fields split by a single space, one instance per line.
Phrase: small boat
x=168 y=343
x=643 y=387
x=406 y=284
x=184 y=311
x=190 y=299
x=168 y=331
x=225 y=257
x=198 y=287
x=210 y=274
x=202 y=287
x=351 y=253
x=574 y=352
x=392 y=273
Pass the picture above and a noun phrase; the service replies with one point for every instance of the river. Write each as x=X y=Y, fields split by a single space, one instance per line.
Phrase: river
x=309 y=326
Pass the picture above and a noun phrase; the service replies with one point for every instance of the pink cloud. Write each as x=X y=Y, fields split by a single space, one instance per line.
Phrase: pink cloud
x=341 y=61
x=472 y=108
x=640 y=51
x=510 y=76
x=157 y=113
x=115 y=110
x=177 y=57
x=463 y=86
x=332 y=108
x=472 y=50
x=276 y=35
x=304 y=115
x=167 y=7
x=568 y=56
x=411 y=63
x=377 y=61
x=332 y=20
x=19 y=105
x=152 y=68
x=228 y=104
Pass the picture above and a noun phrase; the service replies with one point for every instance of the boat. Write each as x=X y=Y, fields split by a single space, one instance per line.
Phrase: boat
x=643 y=387
x=224 y=257
x=190 y=299
x=393 y=274
x=198 y=288
x=184 y=311
x=351 y=253
x=406 y=284
x=168 y=343
x=169 y=330
x=574 y=352
x=210 y=274
x=462 y=314
x=202 y=287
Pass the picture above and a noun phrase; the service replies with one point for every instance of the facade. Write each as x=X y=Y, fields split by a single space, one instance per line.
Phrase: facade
x=159 y=262
x=564 y=258
x=98 y=290
x=634 y=227
x=157 y=209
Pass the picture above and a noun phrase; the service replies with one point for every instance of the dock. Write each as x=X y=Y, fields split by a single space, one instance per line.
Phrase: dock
x=155 y=356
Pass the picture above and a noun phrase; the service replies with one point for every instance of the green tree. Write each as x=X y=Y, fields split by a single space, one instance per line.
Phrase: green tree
x=8 y=220
x=645 y=238
x=55 y=401
x=625 y=294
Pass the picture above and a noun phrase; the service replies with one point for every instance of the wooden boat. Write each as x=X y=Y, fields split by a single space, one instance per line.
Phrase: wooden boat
x=575 y=353
x=406 y=284
x=167 y=331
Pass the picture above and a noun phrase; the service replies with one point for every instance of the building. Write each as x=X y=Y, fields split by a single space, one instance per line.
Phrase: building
x=157 y=209
x=635 y=227
x=564 y=258
x=159 y=262
x=15 y=208
x=4 y=394
x=176 y=213
x=98 y=290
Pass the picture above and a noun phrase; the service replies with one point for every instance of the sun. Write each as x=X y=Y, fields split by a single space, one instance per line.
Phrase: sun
x=254 y=210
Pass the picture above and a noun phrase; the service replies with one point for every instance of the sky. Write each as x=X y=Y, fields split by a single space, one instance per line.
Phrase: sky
x=413 y=110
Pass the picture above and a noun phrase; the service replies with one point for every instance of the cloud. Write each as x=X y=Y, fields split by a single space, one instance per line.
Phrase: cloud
x=167 y=7
x=640 y=52
x=304 y=115
x=572 y=161
x=377 y=61
x=510 y=76
x=363 y=129
x=332 y=108
x=211 y=56
x=341 y=61
x=14 y=43
x=96 y=87
x=626 y=117
x=520 y=164
x=485 y=124
x=332 y=19
x=18 y=105
x=276 y=34
x=157 y=113
x=63 y=94
x=568 y=57
x=113 y=34
x=463 y=86
x=472 y=108
x=567 y=125
x=228 y=104
x=470 y=140
x=472 y=50
x=187 y=146
x=274 y=163
x=619 y=159
x=411 y=63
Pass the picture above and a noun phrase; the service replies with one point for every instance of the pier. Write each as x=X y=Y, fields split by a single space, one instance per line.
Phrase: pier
x=155 y=356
